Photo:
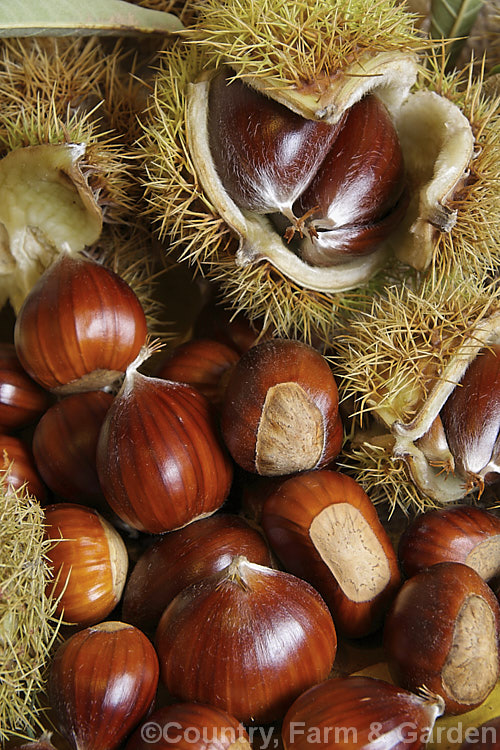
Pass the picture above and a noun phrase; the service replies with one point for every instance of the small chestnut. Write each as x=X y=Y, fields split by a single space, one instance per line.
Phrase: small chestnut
x=65 y=443
x=360 y=712
x=89 y=563
x=101 y=684
x=443 y=631
x=463 y=533
x=325 y=529
x=22 y=400
x=247 y=640
x=182 y=557
x=190 y=726
x=280 y=412
x=18 y=464
x=202 y=363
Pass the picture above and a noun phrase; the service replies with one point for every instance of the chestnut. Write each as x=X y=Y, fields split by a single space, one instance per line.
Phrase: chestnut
x=280 y=412
x=247 y=640
x=339 y=186
x=65 y=443
x=160 y=460
x=102 y=682
x=18 y=464
x=471 y=419
x=443 y=631
x=360 y=712
x=190 y=726
x=79 y=327
x=463 y=533
x=22 y=400
x=324 y=528
x=358 y=196
x=89 y=563
x=183 y=557
x=202 y=363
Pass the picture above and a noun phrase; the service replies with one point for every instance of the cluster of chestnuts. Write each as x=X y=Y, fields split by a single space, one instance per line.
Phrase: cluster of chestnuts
x=253 y=555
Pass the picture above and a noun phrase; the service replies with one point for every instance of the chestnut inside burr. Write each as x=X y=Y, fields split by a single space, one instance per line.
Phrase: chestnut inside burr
x=291 y=433
x=471 y=668
x=350 y=548
x=333 y=191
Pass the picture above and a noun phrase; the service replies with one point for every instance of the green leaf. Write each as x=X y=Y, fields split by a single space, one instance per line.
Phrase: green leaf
x=82 y=17
x=452 y=21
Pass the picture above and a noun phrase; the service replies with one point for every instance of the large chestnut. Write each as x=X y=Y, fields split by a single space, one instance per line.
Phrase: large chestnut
x=102 y=682
x=190 y=726
x=80 y=326
x=247 y=640
x=22 y=400
x=280 y=412
x=443 y=632
x=464 y=533
x=65 y=443
x=160 y=460
x=180 y=558
x=89 y=563
x=360 y=712
x=324 y=528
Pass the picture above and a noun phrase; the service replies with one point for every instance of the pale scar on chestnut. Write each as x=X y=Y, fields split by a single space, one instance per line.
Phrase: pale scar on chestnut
x=350 y=548
x=291 y=432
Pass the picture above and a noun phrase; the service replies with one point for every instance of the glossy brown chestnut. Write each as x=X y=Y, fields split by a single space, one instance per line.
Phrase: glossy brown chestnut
x=16 y=460
x=22 y=400
x=190 y=726
x=356 y=199
x=245 y=129
x=247 y=640
x=89 y=562
x=160 y=461
x=280 y=411
x=443 y=631
x=65 y=444
x=360 y=712
x=465 y=534
x=101 y=684
x=202 y=363
x=183 y=557
x=471 y=419
x=79 y=327
x=324 y=528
